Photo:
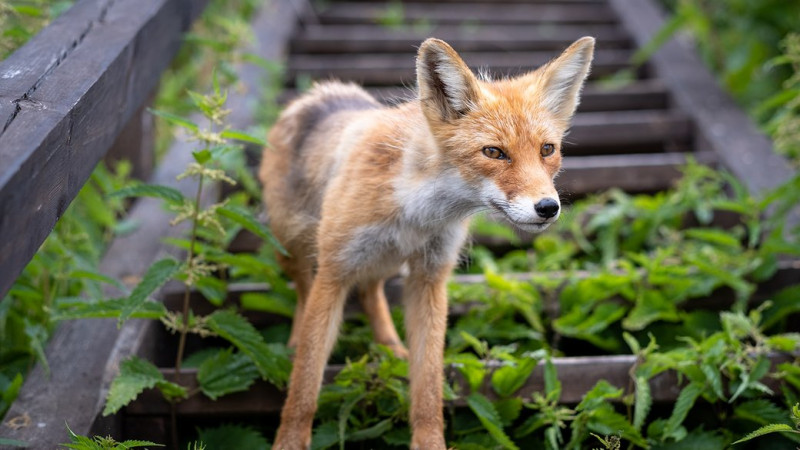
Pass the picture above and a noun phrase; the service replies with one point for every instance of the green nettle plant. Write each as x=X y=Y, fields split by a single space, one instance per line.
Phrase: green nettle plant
x=204 y=268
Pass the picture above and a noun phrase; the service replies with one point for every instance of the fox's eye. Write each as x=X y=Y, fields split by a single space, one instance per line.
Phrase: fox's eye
x=548 y=149
x=494 y=153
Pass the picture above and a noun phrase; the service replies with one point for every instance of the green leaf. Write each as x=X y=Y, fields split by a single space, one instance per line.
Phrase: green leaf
x=243 y=136
x=508 y=409
x=604 y=420
x=176 y=120
x=170 y=195
x=245 y=218
x=136 y=375
x=228 y=437
x=767 y=429
x=268 y=302
x=106 y=309
x=272 y=360
x=344 y=414
x=157 y=274
x=552 y=385
x=643 y=402
x=202 y=156
x=372 y=432
x=597 y=396
x=683 y=404
x=325 y=436
x=510 y=378
x=488 y=416
x=226 y=372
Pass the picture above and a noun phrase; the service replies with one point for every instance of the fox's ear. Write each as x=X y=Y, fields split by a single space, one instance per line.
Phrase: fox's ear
x=563 y=77
x=444 y=81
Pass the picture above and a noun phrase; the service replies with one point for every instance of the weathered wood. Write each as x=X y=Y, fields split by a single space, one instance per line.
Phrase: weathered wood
x=577 y=375
x=136 y=144
x=395 y=69
x=629 y=172
x=620 y=131
x=642 y=94
x=342 y=39
x=73 y=110
x=483 y=13
x=720 y=124
x=79 y=350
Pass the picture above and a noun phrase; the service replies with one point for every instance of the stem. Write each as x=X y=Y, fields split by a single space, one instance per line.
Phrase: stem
x=187 y=291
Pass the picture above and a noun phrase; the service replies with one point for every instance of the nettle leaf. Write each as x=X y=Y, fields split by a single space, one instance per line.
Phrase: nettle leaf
x=508 y=409
x=246 y=219
x=697 y=439
x=105 y=309
x=643 y=402
x=166 y=193
x=604 y=420
x=372 y=432
x=156 y=275
x=325 y=436
x=268 y=302
x=650 y=307
x=470 y=367
x=509 y=379
x=175 y=120
x=683 y=404
x=136 y=375
x=272 y=360
x=597 y=396
x=767 y=429
x=552 y=385
x=487 y=414
x=243 y=136
x=226 y=372
x=232 y=436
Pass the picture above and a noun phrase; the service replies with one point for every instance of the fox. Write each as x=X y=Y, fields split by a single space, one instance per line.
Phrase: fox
x=355 y=190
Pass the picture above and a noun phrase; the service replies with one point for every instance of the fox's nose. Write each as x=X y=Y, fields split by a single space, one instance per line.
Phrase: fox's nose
x=546 y=208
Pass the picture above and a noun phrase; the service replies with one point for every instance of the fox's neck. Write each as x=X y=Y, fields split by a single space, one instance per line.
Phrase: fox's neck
x=431 y=193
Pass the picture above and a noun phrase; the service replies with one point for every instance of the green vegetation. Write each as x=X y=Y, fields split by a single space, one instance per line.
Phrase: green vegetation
x=22 y=19
x=752 y=47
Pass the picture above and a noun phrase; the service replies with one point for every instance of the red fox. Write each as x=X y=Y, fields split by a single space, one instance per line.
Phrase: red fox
x=355 y=190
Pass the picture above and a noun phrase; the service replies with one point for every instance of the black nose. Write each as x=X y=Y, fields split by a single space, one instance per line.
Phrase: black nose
x=546 y=208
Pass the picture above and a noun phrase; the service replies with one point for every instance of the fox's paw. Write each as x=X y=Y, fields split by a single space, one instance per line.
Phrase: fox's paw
x=399 y=350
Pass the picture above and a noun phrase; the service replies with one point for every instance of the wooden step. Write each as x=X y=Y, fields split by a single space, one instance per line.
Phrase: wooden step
x=395 y=69
x=640 y=94
x=457 y=13
x=342 y=39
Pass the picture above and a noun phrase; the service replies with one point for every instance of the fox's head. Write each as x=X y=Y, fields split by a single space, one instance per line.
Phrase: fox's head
x=504 y=136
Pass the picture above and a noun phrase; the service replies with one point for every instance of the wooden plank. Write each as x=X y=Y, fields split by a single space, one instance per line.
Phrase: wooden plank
x=630 y=172
x=27 y=67
x=70 y=118
x=136 y=144
x=373 y=39
x=721 y=125
x=484 y=13
x=79 y=350
x=619 y=131
x=641 y=94
x=397 y=69
x=577 y=375
x=85 y=354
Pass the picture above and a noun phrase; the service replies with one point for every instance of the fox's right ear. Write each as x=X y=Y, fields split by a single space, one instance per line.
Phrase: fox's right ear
x=444 y=81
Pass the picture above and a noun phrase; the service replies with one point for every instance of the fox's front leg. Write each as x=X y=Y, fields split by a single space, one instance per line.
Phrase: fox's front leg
x=319 y=327
x=426 y=323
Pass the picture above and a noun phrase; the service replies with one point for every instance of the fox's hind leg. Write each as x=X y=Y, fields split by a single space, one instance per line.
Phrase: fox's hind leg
x=373 y=301
x=300 y=269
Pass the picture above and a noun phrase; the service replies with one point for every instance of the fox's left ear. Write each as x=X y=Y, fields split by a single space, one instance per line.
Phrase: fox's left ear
x=563 y=78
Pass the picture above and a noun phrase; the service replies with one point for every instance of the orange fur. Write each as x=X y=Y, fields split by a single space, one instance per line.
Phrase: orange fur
x=355 y=190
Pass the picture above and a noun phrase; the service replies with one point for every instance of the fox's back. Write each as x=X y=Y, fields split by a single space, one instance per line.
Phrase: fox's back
x=307 y=146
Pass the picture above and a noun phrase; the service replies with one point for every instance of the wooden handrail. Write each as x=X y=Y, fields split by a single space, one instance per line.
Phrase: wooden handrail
x=64 y=98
